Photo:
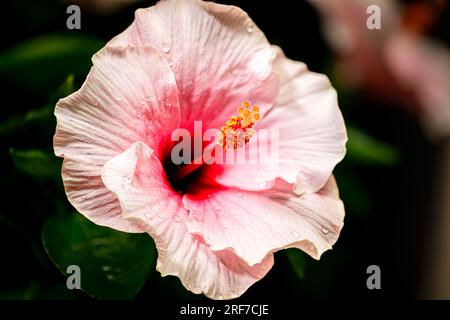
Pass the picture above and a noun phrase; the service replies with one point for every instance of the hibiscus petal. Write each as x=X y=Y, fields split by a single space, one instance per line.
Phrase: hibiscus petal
x=138 y=179
x=218 y=55
x=126 y=90
x=255 y=224
x=311 y=138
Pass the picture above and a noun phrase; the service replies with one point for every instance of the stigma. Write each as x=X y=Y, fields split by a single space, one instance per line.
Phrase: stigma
x=238 y=130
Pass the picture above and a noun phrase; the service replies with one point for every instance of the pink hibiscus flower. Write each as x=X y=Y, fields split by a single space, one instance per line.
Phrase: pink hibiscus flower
x=217 y=227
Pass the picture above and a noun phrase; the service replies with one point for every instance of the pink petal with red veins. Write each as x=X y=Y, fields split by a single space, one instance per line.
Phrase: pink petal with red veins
x=125 y=92
x=218 y=56
x=147 y=199
x=255 y=224
x=312 y=134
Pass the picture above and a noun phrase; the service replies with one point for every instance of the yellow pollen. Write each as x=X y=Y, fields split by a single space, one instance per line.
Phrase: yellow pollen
x=238 y=130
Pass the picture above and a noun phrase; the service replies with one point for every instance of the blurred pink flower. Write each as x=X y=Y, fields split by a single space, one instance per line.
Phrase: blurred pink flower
x=396 y=63
x=422 y=67
x=188 y=60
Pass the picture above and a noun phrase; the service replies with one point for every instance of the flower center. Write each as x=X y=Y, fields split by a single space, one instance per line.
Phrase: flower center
x=236 y=133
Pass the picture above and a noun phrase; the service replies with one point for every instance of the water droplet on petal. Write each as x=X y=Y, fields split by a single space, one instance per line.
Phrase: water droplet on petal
x=273 y=54
x=126 y=186
x=149 y=215
x=325 y=230
x=240 y=195
x=165 y=47
x=170 y=63
x=126 y=179
x=119 y=98
x=250 y=27
x=177 y=219
x=294 y=234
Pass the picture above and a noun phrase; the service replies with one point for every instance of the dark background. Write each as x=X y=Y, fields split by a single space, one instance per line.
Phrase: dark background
x=387 y=206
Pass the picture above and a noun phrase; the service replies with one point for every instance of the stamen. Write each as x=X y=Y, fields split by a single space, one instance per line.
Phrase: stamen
x=238 y=130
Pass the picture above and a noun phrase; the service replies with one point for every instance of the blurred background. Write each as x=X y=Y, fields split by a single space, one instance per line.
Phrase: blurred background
x=394 y=91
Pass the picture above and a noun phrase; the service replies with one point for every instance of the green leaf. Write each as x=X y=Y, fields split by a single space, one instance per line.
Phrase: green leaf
x=363 y=148
x=42 y=117
x=36 y=163
x=297 y=260
x=66 y=88
x=113 y=264
x=43 y=62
